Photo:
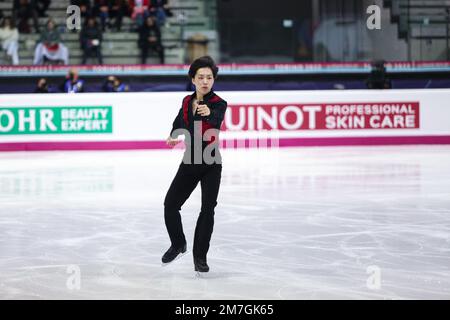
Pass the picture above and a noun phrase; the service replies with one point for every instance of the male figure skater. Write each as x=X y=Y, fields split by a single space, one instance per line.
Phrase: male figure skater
x=199 y=119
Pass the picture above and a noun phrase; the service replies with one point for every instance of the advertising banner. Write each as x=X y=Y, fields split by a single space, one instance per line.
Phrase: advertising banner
x=287 y=118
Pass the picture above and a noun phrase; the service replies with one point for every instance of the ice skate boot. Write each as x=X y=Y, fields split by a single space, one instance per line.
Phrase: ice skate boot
x=172 y=253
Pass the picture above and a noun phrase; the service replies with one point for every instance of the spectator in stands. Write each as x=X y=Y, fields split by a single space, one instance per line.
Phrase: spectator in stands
x=113 y=84
x=42 y=86
x=108 y=9
x=91 y=40
x=161 y=10
x=150 y=39
x=23 y=10
x=50 y=49
x=101 y=10
x=139 y=11
x=9 y=38
x=42 y=7
x=85 y=7
x=72 y=84
x=118 y=9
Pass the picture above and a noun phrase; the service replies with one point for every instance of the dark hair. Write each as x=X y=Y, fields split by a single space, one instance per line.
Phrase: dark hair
x=52 y=21
x=89 y=18
x=203 y=62
x=3 y=22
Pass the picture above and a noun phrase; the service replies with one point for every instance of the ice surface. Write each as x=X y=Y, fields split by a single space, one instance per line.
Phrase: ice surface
x=295 y=223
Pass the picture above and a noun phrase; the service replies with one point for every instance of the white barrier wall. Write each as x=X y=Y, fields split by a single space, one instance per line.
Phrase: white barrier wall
x=144 y=120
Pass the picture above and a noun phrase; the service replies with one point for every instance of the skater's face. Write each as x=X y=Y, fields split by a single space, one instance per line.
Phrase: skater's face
x=203 y=80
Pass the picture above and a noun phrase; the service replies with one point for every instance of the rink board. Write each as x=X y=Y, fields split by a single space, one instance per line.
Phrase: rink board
x=108 y=121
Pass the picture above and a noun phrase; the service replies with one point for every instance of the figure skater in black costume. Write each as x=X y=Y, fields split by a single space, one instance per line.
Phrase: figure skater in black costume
x=199 y=119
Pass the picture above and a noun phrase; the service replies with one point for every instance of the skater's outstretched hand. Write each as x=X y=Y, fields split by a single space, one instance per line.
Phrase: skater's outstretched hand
x=203 y=110
x=172 y=142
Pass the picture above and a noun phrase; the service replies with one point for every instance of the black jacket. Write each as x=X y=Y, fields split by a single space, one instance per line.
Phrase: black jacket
x=187 y=120
x=145 y=32
x=88 y=34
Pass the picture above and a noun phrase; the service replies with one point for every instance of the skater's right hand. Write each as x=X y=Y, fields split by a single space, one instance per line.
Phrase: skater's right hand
x=172 y=142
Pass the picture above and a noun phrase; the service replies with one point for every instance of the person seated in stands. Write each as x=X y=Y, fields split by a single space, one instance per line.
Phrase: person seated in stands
x=23 y=10
x=42 y=7
x=108 y=9
x=101 y=10
x=161 y=10
x=50 y=49
x=113 y=84
x=72 y=84
x=117 y=10
x=9 y=38
x=91 y=40
x=139 y=11
x=150 y=39
x=85 y=7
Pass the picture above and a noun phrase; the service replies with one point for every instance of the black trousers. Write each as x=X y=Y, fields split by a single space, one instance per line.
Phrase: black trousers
x=158 y=48
x=185 y=181
x=92 y=51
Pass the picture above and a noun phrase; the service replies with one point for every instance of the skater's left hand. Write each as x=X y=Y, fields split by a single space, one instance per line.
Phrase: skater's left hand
x=203 y=110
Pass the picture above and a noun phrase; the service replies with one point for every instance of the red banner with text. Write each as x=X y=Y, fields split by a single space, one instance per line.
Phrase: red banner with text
x=330 y=116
